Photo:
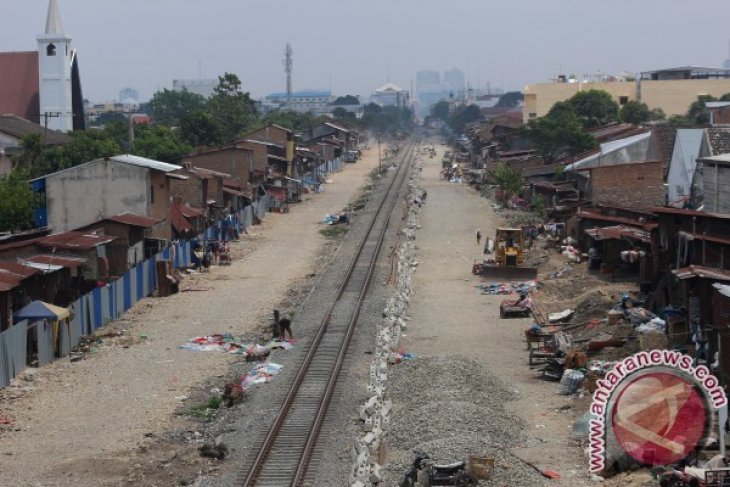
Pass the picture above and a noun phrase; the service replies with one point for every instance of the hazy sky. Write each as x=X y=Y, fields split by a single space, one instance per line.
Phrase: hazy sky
x=353 y=45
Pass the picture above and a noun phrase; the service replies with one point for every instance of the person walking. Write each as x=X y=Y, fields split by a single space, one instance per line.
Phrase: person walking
x=479 y=237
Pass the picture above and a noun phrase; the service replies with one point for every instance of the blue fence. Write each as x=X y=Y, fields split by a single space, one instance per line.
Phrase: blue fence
x=104 y=304
x=90 y=312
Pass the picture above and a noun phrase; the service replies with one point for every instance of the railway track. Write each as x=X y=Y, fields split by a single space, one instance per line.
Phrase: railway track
x=283 y=456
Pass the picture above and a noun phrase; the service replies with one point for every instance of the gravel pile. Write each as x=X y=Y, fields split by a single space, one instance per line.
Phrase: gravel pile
x=450 y=407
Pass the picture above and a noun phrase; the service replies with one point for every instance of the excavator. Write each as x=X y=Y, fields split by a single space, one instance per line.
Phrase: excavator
x=509 y=257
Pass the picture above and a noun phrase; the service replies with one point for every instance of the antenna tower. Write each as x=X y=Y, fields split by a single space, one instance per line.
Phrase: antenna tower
x=288 y=63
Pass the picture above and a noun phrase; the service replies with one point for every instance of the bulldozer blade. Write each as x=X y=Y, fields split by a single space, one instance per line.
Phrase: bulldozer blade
x=509 y=273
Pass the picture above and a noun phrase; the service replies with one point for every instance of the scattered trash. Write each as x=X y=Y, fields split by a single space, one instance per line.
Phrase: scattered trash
x=570 y=382
x=495 y=288
x=260 y=374
x=560 y=316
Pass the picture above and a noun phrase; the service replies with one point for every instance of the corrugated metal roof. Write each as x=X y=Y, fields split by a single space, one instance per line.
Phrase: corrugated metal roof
x=12 y=274
x=75 y=240
x=681 y=211
x=19 y=127
x=148 y=163
x=134 y=220
x=19 y=82
x=594 y=215
x=69 y=262
x=618 y=232
x=687 y=144
x=607 y=148
x=702 y=272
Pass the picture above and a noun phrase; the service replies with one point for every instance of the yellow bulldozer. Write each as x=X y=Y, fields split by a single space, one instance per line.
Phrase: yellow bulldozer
x=508 y=257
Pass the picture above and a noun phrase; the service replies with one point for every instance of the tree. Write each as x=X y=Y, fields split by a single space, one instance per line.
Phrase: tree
x=160 y=143
x=30 y=150
x=594 y=108
x=110 y=117
x=200 y=128
x=85 y=146
x=635 y=112
x=169 y=107
x=725 y=97
x=698 y=111
x=561 y=108
x=342 y=114
x=346 y=100
x=232 y=109
x=508 y=179
x=16 y=212
x=462 y=116
x=555 y=136
x=510 y=99
x=657 y=114
x=440 y=110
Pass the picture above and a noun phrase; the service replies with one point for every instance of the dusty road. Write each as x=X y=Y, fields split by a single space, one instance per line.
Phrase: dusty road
x=74 y=423
x=450 y=316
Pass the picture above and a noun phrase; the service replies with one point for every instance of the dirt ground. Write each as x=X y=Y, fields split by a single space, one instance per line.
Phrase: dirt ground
x=87 y=423
x=451 y=316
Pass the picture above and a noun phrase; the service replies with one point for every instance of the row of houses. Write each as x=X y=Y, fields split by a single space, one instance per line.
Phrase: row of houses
x=654 y=203
x=98 y=220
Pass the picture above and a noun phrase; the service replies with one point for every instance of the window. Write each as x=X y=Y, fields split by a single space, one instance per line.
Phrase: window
x=533 y=115
x=152 y=194
x=623 y=100
x=51 y=50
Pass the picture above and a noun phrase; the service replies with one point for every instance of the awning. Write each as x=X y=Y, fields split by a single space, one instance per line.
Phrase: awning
x=233 y=192
x=702 y=272
x=38 y=310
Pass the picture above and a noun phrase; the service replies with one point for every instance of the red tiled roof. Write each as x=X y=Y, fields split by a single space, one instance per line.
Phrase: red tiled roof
x=179 y=215
x=69 y=262
x=19 y=84
x=75 y=240
x=134 y=220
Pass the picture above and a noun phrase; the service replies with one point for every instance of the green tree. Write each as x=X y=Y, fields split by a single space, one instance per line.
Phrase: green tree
x=657 y=114
x=232 y=109
x=440 y=110
x=200 y=128
x=725 y=97
x=16 y=211
x=510 y=99
x=594 y=108
x=160 y=143
x=346 y=100
x=508 y=179
x=110 y=117
x=698 y=111
x=635 y=112
x=553 y=137
x=561 y=108
x=31 y=148
x=342 y=114
x=462 y=116
x=169 y=107
x=85 y=146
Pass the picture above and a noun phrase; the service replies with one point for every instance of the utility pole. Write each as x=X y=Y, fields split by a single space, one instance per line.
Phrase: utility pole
x=288 y=64
x=380 y=159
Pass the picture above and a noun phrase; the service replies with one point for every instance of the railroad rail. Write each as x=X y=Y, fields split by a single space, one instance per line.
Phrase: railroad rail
x=284 y=455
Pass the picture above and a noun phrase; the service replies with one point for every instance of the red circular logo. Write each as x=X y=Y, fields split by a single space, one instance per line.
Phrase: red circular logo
x=658 y=418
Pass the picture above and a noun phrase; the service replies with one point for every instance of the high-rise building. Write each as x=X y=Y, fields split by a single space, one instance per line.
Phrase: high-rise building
x=455 y=81
x=128 y=94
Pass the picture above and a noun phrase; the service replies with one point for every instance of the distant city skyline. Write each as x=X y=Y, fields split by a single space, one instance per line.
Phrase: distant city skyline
x=397 y=40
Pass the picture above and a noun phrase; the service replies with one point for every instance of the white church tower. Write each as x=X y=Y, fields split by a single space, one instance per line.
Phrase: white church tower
x=55 y=58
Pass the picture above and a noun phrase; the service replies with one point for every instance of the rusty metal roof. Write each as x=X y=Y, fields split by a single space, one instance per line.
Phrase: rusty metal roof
x=594 y=215
x=75 y=240
x=19 y=82
x=682 y=211
x=618 y=232
x=702 y=272
x=12 y=274
x=134 y=220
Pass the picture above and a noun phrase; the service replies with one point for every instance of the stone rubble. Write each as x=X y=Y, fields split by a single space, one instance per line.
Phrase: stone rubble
x=375 y=413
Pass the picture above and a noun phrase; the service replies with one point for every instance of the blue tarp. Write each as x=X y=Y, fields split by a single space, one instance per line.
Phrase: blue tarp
x=38 y=310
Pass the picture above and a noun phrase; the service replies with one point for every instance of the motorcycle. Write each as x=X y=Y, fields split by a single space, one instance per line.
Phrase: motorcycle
x=424 y=472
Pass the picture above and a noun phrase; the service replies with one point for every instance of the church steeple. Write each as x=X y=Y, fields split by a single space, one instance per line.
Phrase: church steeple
x=55 y=61
x=53 y=20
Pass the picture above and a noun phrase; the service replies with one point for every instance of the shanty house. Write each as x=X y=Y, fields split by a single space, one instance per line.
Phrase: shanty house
x=84 y=194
